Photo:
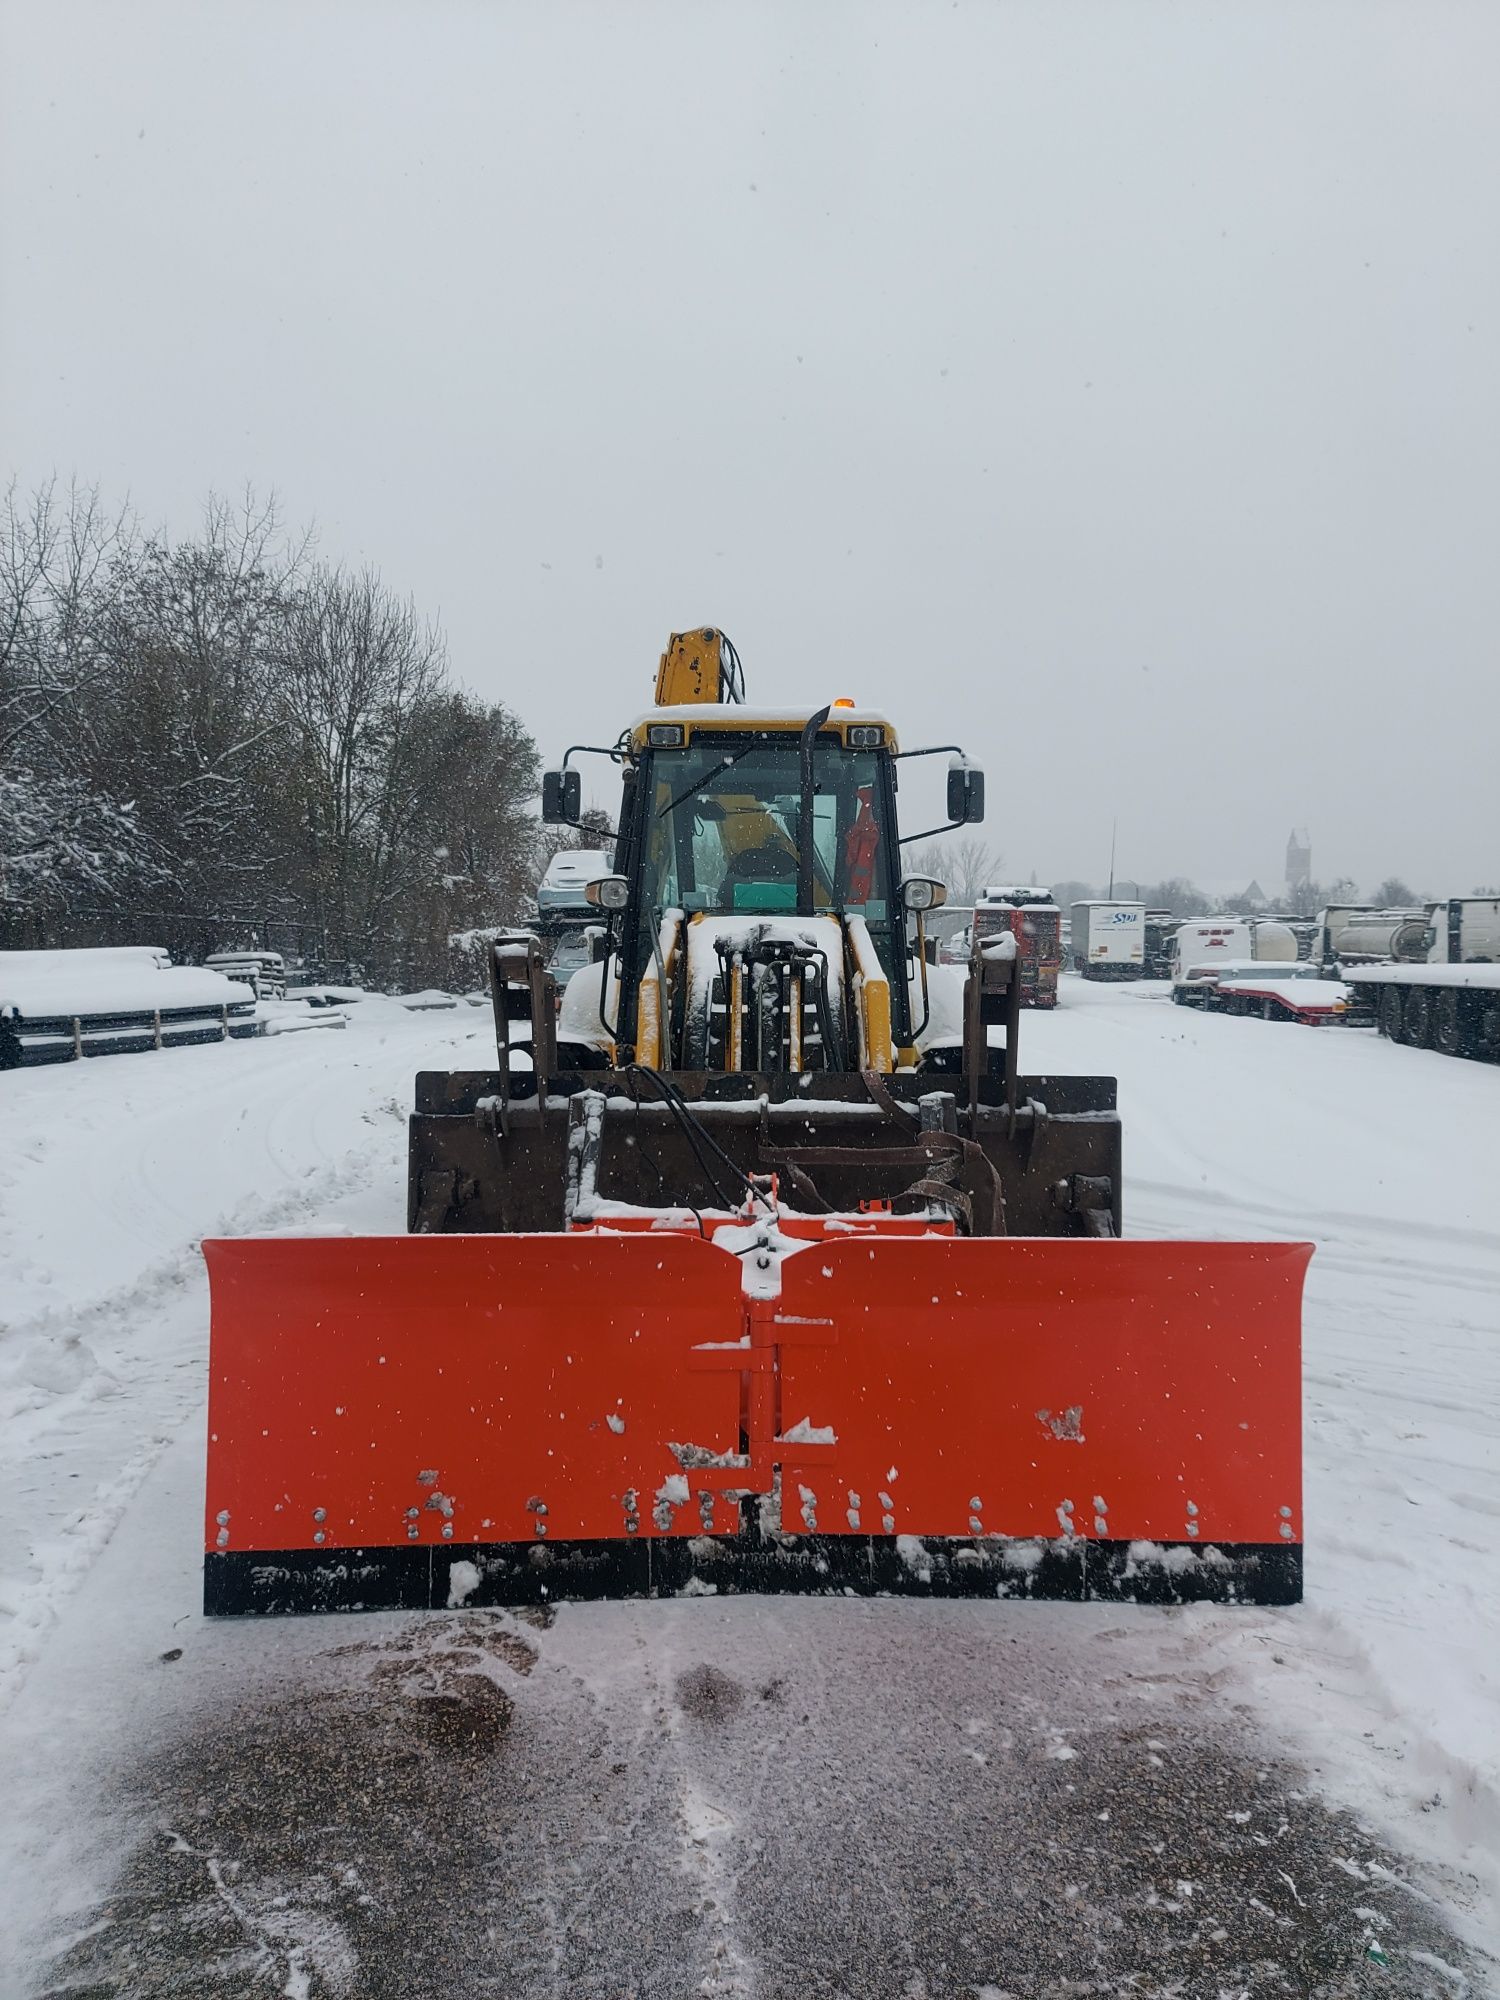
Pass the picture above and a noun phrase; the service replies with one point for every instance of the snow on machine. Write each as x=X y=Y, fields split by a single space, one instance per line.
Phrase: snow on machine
x=759 y=1265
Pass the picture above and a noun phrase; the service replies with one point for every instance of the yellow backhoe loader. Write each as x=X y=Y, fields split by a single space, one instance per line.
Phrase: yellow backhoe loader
x=759 y=1264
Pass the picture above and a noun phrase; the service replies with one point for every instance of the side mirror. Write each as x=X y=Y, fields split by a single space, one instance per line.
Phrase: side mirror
x=562 y=798
x=608 y=892
x=921 y=892
x=965 y=792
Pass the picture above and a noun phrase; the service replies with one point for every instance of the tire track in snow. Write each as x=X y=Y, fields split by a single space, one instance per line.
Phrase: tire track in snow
x=108 y=1377
x=696 y=1694
x=146 y=1373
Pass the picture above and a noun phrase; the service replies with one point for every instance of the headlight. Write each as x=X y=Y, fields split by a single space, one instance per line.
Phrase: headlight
x=664 y=735
x=609 y=892
x=920 y=892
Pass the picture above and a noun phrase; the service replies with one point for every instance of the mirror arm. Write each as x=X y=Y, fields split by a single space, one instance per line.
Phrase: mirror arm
x=952 y=827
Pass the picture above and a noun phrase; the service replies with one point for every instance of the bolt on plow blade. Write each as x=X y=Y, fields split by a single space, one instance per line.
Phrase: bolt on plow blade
x=433 y=1420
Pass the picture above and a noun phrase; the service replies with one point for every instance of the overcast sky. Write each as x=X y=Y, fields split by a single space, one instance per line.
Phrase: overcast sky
x=1113 y=387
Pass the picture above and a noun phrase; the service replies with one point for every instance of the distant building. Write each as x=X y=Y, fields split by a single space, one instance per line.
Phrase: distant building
x=1298 y=860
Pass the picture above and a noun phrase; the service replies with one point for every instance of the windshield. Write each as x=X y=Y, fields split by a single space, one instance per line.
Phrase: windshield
x=721 y=828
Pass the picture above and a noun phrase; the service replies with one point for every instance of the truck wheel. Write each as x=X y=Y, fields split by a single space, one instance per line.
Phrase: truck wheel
x=1450 y=1031
x=1416 y=1018
x=1390 y=1013
x=1487 y=1025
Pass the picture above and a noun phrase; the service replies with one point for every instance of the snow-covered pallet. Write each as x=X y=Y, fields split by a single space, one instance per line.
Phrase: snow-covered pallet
x=59 y=1006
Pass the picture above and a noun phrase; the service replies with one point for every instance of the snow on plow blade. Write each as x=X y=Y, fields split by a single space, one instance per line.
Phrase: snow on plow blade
x=431 y=1420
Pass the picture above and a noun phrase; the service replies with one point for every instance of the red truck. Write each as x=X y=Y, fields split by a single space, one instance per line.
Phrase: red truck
x=1035 y=921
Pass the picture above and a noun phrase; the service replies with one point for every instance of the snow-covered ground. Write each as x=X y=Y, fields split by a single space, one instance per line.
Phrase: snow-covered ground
x=1389 y=1160
x=110 y=1173
x=752 y=1797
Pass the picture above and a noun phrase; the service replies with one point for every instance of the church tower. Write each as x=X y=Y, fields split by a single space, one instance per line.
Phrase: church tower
x=1298 y=859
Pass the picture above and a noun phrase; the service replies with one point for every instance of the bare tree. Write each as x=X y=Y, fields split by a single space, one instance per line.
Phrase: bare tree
x=1177 y=894
x=1066 y=893
x=967 y=866
x=60 y=558
x=205 y=737
x=353 y=668
x=1394 y=894
x=1307 y=898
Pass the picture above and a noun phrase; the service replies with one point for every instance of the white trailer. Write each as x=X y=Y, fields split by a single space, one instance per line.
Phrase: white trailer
x=1221 y=941
x=1108 y=940
x=1200 y=950
x=1465 y=930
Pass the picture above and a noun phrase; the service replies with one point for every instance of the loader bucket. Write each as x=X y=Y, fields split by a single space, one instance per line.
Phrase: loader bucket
x=423 y=1421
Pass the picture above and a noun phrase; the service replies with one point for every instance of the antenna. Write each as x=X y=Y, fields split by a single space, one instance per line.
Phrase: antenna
x=1113 y=828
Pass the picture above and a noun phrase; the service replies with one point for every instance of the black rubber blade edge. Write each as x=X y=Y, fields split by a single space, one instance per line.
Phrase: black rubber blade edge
x=290 y=1581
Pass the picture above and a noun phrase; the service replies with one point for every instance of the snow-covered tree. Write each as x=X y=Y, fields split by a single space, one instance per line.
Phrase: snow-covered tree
x=60 y=839
x=212 y=737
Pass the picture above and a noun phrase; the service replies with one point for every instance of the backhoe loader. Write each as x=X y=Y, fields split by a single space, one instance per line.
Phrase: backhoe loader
x=758 y=1263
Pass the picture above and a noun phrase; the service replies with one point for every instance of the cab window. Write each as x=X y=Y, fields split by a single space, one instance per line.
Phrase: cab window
x=721 y=829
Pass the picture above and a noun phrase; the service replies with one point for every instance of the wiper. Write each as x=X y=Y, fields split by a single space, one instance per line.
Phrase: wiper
x=702 y=784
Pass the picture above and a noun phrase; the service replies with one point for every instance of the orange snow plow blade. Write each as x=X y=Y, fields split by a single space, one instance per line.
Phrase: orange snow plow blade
x=434 y=1420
